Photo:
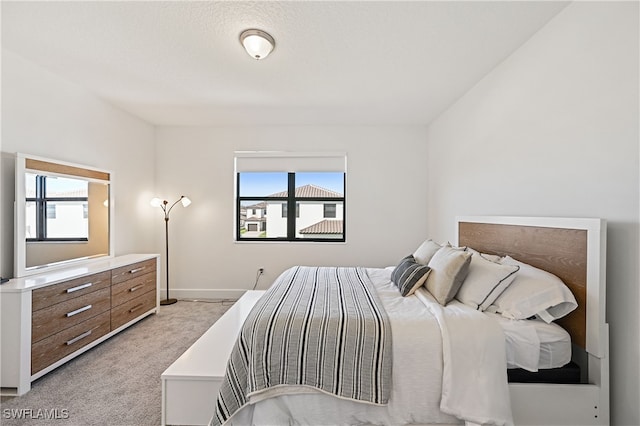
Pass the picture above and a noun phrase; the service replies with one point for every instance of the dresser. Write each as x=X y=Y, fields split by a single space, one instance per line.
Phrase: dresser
x=48 y=319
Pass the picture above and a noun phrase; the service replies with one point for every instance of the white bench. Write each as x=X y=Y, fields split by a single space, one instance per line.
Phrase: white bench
x=190 y=385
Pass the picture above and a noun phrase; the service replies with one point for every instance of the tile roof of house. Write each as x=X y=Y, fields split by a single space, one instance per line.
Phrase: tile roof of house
x=260 y=205
x=327 y=226
x=310 y=191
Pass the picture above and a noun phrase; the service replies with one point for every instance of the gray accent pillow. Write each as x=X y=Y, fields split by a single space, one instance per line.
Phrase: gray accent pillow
x=409 y=275
x=449 y=267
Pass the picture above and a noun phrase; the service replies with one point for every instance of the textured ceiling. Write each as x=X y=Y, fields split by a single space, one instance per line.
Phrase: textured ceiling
x=181 y=63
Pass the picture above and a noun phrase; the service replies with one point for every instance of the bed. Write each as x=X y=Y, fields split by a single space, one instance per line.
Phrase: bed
x=434 y=381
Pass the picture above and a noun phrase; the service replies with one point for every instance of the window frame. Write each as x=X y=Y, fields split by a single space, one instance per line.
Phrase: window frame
x=293 y=212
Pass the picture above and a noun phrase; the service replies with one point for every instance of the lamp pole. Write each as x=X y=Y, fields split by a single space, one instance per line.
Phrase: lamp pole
x=167 y=300
x=163 y=205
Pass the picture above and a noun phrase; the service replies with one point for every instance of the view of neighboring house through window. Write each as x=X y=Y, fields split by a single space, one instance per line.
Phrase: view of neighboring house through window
x=57 y=208
x=300 y=206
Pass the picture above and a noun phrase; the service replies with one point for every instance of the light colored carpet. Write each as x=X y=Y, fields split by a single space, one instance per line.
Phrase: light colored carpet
x=118 y=381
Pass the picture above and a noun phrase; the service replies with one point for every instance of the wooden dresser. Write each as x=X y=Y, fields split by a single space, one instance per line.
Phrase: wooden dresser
x=50 y=318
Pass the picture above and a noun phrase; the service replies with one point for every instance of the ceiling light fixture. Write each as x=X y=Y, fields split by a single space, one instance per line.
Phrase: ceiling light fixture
x=257 y=43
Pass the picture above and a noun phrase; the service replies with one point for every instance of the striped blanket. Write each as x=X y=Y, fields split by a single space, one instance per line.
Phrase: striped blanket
x=318 y=327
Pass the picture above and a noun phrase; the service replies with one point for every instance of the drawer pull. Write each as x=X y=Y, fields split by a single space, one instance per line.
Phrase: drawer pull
x=135 y=308
x=133 y=271
x=75 y=339
x=132 y=289
x=80 y=287
x=77 y=311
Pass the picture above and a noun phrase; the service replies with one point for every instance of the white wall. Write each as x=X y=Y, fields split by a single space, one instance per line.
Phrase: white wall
x=386 y=174
x=47 y=116
x=553 y=131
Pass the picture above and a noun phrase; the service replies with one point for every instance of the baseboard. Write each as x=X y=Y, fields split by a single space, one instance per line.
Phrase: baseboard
x=208 y=294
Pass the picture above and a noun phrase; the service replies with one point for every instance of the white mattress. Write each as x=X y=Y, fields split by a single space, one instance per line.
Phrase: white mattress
x=534 y=344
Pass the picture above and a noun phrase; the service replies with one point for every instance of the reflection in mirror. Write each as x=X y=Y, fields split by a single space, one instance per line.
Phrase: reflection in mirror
x=64 y=216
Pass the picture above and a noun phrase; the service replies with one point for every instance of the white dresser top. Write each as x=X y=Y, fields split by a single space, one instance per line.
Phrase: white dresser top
x=32 y=282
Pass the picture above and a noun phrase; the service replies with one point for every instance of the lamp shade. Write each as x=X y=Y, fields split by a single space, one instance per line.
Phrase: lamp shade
x=155 y=202
x=185 y=201
x=257 y=43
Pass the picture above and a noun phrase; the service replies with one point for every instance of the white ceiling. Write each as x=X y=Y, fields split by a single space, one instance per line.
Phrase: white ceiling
x=341 y=62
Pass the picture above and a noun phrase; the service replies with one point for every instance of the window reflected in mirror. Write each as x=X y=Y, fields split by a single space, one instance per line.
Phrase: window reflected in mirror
x=65 y=215
x=57 y=208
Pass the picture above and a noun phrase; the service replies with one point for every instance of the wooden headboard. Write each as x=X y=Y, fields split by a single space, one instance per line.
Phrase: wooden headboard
x=572 y=249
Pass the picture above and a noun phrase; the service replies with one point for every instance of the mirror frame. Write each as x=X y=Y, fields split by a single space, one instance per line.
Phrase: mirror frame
x=25 y=163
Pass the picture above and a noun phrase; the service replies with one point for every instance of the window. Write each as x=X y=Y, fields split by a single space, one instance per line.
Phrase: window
x=330 y=210
x=284 y=210
x=57 y=208
x=51 y=211
x=297 y=205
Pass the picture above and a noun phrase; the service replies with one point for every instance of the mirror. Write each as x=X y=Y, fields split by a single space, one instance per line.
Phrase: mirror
x=63 y=214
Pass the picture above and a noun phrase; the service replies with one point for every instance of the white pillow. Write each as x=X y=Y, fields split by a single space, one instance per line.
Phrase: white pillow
x=491 y=257
x=485 y=281
x=534 y=292
x=449 y=267
x=425 y=252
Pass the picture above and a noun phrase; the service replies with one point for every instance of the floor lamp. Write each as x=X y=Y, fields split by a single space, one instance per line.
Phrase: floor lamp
x=157 y=202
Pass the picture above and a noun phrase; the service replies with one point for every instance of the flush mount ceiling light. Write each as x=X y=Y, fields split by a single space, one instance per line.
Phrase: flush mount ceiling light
x=257 y=43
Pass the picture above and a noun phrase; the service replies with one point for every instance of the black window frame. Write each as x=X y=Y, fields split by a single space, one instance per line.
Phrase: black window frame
x=293 y=211
x=41 y=201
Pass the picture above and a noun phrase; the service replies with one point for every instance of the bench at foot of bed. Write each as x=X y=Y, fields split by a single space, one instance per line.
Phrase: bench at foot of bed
x=190 y=385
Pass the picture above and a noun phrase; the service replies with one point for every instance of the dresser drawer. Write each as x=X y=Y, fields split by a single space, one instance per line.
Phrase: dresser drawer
x=58 y=317
x=132 y=309
x=130 y=289
x=47 y=296
x=55 y=347
x=132 y=271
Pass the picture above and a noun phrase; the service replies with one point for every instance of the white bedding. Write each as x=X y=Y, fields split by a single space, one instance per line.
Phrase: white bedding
x=417 y=381
x=474 y=378
x=534 y=344
x=555 y=345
